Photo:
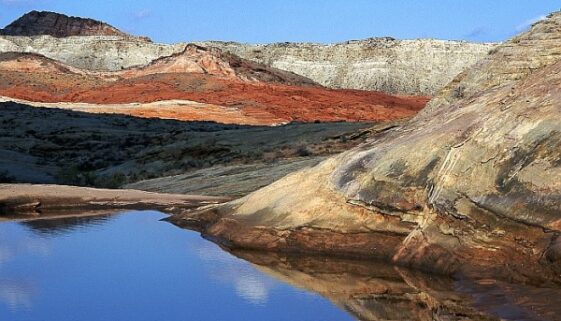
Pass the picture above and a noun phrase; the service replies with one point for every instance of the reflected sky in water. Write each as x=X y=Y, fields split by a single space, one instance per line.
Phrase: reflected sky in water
x=134 y=267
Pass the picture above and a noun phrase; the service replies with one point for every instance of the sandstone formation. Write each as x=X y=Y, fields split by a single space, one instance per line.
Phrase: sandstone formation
x=101 y=53
x=195 y=84
x=18 y=199
x=415 y=67
x=212 y=61
x=507 y=63
x=33 y=63
x=39 y=23
x=471 y=187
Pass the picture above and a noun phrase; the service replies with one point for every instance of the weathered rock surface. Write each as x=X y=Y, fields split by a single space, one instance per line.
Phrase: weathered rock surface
x=419 y=67
x=471 y=187
x=195 y=84
x=101 y=53
x=507 y=63
x=18 y=199
x=39 y=23
x=230 y=180
x=212 y=61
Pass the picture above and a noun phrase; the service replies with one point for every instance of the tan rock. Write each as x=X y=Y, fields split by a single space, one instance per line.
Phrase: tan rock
x=418 y=67
x=470 y=187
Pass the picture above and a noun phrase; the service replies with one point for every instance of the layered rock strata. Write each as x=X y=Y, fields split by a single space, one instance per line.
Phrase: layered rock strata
x=416 y=67
x=471 y=187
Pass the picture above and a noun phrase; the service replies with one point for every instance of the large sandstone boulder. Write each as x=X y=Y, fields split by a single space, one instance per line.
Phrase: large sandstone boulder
x=470 y=187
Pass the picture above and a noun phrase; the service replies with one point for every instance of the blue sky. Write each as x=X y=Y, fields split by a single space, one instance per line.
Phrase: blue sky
x=261 y=21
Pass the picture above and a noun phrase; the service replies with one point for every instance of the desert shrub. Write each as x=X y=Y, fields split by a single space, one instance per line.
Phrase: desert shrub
x=303 y=151
x=5 y=177
x=72 y=175
x=111 y=181
x=459 y=92
x=69 y=175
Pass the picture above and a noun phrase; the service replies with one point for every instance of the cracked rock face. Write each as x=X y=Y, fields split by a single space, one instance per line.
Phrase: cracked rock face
x=471 y=187
x=417 y=67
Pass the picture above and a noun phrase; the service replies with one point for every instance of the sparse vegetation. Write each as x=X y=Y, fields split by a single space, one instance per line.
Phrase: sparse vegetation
x=111 y=150
x=5 y=177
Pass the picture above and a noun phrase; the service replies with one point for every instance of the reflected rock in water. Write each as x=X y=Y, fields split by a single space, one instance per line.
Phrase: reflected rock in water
x=64 y=224
x=377 y=291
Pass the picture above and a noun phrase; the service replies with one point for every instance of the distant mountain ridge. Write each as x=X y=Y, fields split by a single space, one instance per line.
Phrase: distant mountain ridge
x=39 y=23
x=413 y=67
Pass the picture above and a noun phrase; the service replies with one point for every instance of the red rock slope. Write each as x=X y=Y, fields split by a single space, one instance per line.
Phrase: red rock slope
x=255 y=93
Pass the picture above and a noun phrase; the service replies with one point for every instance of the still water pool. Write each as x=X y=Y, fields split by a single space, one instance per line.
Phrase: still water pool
x=134 y=267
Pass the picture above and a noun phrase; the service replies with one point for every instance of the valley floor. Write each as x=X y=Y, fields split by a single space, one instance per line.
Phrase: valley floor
x=57 y=146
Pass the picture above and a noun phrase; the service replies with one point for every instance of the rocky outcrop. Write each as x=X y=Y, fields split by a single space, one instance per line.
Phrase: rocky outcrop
x=469 y=188
x=212 y=61
x=195 y=84
x=98 y=53
x=506 y=64
x=28 y=199
x=33 y=63
x=39 y=23
x=418 y=67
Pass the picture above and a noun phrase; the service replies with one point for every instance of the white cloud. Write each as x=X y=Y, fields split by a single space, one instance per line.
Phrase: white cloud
x=528 y=23
x=252 y=288
x=142 y=14
x=17 y=295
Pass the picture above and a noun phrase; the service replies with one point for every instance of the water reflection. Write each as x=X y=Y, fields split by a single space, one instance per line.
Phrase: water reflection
x=66 y=224
x=248 y=282
x=61 y=269
x=377 y=291
x=17 y=294
x=135 y=267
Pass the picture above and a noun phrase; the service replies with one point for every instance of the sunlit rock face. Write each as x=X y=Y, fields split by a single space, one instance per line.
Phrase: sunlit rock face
x=507 y=63
x=470 y=187
x=101 y=53
x=417 y=67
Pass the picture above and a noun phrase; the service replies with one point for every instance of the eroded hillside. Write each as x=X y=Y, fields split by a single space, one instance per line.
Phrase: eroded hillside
x=415 y=67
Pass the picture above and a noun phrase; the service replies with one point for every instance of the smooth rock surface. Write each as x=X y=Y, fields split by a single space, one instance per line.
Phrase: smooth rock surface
x=471 y=187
